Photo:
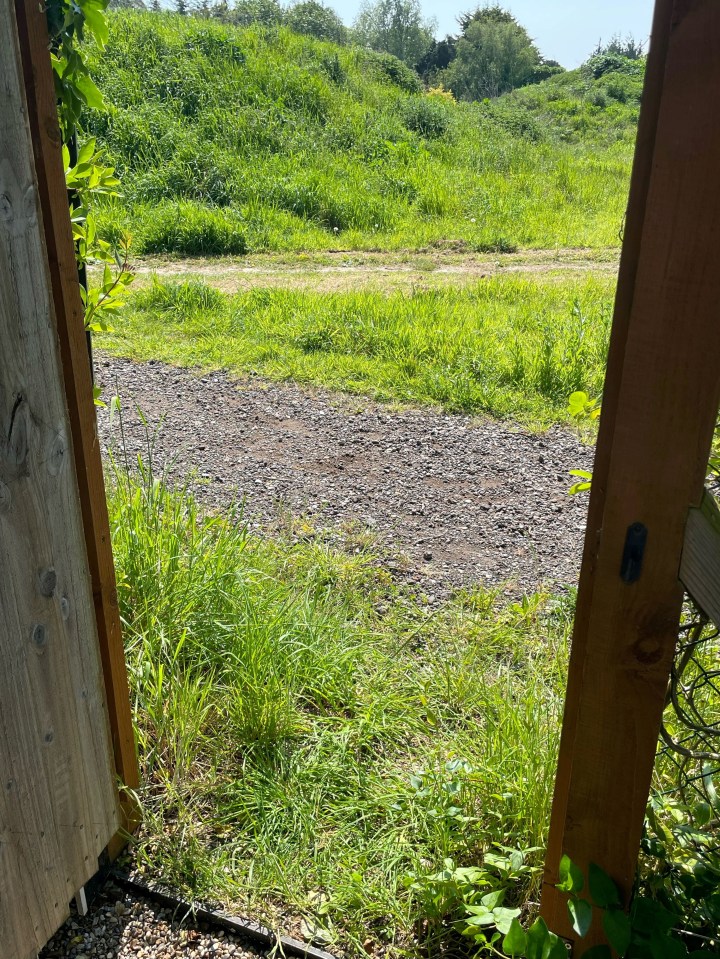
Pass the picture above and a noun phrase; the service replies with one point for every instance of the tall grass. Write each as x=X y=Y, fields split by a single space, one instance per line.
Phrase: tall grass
x=508 y=347
x=308 y=735
x=293 y=144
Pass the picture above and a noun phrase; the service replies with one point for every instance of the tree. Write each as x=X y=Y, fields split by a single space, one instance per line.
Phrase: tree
x=316 y=20
x=267 y=13
x=395 y=26
x=494 y=54
x=439 y=56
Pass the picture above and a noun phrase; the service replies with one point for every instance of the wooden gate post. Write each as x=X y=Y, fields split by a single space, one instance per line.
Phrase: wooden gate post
x=659 y=409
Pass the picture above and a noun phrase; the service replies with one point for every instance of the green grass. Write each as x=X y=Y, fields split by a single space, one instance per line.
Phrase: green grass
x=508 y=347
x=285 y=695
x=229 y=139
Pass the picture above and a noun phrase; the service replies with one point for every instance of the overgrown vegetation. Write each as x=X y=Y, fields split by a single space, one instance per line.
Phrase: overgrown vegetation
x=229 y=139
x=314 y=742
x=508 y=347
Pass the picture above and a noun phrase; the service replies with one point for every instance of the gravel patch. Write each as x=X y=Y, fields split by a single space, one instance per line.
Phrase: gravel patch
x=118 y=926
x=451 y=500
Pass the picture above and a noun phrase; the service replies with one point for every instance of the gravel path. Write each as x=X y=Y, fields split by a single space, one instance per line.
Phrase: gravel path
x=453 y=500
x=121 y=927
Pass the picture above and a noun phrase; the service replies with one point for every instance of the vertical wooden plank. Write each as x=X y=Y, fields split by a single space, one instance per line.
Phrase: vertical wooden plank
x=659 y=407
x=42 y=112
x=58 y=804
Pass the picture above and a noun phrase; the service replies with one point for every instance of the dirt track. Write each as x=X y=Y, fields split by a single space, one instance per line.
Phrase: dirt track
x=338 y=271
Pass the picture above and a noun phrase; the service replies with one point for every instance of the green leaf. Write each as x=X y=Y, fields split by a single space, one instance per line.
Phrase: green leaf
x=577 y=403
x=580 y=912
x=86 y=151
x=558 y=950
x=617 y=929
x=667 y=947
x=537 y=939
x=648 y=916
x=584 y=473
x=503 y=917
x=95 y=18
x=90 y=93
x=579 y=488
x=702 y=813
x=515 y=940
x=494 y=898
x=603 y=891
x=571 y=877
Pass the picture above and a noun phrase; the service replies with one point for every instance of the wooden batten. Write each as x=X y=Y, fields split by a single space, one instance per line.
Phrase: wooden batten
x=700 y=563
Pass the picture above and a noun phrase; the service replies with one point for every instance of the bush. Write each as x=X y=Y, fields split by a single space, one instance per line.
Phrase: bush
x=192 y=230
x=316 y=20
x=428 y=116
x=387 y=67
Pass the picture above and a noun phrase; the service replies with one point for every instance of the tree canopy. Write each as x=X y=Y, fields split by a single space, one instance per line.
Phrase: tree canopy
x=395 y=26
x=316 y=20
x=493 y=55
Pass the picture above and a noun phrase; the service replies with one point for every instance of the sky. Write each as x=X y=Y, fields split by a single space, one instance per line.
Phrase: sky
x=564 y=30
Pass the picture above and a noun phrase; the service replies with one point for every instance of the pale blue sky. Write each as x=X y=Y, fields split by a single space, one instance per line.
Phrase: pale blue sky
x=564 y=30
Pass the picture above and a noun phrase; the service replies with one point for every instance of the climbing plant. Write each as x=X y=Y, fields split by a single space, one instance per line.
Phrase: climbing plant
x=87 y=176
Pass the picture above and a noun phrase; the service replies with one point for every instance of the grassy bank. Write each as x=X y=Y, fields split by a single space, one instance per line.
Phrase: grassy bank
x=232 y=139
x=312 y=741
x=507 y=346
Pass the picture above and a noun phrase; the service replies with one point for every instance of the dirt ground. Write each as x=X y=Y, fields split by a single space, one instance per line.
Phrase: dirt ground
x=343 y=271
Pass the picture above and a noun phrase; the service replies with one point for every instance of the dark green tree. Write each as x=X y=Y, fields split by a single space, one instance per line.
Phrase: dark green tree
x=494 y=54
x=316 y=20
x=395 y=26
x=439 y=56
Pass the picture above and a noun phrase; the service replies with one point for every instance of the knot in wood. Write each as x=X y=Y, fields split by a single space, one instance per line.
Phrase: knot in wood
x=39 y=636
x=47 y=580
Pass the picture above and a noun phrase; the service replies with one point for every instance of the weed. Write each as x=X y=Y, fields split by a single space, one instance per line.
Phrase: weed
x=279 y=717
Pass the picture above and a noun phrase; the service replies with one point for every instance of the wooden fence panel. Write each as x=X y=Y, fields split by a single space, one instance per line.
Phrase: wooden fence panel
x=58 y=801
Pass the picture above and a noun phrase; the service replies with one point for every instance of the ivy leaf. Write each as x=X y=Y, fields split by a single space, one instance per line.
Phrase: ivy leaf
x=571 y=877
x=515 y=941
x=603 y=890
x=580 y=912
x=618 y=930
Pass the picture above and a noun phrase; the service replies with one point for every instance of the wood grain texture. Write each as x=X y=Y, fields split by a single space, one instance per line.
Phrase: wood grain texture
x=659 y=407
x=700 y=563
x=42 y=113
x=58 y=804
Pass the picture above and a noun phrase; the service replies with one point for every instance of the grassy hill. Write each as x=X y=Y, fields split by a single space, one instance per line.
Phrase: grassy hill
x=230 y=140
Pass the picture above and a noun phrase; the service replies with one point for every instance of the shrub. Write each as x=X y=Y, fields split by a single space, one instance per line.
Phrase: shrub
x=193 y=230
x=387 y=67
x=428 y=116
